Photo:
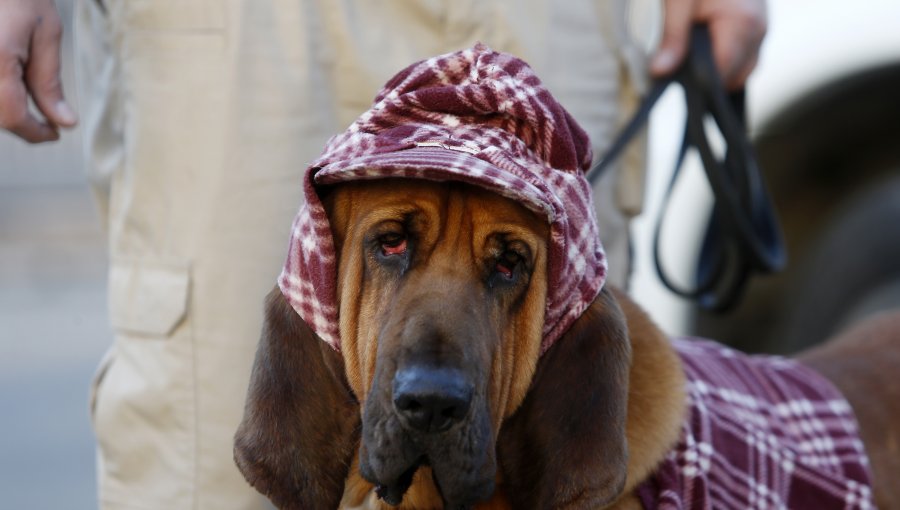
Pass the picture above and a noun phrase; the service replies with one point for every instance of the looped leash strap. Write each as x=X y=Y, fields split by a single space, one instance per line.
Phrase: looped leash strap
x=743 y=235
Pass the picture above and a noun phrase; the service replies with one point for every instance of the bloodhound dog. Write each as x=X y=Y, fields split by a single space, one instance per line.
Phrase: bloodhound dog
x=440 y=396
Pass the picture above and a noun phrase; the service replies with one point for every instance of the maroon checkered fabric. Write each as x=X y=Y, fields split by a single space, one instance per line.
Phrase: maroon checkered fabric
x=761 y=432
x=475 y=116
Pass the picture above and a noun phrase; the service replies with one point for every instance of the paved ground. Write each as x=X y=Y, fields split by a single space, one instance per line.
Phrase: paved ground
x=52 y=333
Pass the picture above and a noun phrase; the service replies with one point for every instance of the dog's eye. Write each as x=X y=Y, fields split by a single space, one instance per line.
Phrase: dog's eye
x=510 y=263
x=393 y=243
x=507 y=263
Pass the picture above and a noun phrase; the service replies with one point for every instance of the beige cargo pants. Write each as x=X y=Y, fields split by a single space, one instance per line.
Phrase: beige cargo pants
x=200 y=116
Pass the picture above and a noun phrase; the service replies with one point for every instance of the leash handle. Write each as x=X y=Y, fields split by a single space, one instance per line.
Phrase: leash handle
x=743 y=235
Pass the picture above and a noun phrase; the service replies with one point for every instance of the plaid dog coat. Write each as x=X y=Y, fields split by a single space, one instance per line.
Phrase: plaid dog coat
x=761 y=432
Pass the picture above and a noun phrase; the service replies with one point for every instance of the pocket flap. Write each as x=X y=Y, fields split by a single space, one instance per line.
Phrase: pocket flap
x=147 y=297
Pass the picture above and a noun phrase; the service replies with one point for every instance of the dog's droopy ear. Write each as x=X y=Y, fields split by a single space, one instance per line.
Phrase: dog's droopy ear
x=301 y=422
x=565 y=446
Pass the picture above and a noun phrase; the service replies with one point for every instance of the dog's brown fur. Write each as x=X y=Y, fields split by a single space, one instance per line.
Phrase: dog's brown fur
x=864 y=363
x=612 y=382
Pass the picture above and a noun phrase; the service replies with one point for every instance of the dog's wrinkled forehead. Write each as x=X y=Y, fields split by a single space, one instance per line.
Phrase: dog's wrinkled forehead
x=475 y=116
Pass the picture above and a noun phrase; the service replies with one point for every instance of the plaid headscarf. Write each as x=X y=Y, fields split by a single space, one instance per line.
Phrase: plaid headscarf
x=474 y=116
x=761 y=432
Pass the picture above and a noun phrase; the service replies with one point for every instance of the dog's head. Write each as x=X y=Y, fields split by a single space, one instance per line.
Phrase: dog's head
x=448 y=249
x=442 y=292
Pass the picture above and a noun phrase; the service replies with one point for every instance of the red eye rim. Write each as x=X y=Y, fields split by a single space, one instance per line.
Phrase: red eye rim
x=393 y=246
x=505 y=271
x=507 y=263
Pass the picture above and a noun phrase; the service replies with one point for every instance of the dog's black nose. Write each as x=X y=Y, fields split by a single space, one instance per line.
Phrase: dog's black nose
x=431 y=399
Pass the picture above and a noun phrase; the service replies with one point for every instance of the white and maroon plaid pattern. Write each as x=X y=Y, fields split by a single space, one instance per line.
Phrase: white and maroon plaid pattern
x=761 y=432
x=475 y=116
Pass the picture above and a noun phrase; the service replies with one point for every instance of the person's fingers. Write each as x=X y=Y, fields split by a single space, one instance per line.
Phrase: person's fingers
x=14 y=114
x=737 y=29
x=42 y=73
x=677 y=22
x=739 y=79
x=735 y=50
x=29 y=65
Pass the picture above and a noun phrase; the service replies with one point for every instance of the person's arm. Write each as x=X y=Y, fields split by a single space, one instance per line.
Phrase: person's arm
x=737 y=28
x=30 y=35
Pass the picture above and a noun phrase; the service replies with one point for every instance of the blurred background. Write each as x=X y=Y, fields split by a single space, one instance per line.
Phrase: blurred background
x=825 y=116
x=53 y=325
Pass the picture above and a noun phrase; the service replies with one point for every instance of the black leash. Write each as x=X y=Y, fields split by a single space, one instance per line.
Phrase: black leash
x=743 y=235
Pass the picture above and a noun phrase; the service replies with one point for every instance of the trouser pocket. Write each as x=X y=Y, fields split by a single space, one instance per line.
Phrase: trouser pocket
x=143 y=405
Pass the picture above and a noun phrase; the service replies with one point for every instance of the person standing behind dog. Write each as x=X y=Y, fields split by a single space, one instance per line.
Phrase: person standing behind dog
x=199 y=117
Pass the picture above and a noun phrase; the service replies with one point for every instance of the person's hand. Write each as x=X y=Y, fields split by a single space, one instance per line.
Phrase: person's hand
x=737 y=28
x=30 y=34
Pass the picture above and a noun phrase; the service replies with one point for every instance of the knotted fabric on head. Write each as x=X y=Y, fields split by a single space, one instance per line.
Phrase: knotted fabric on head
x=475 y=116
